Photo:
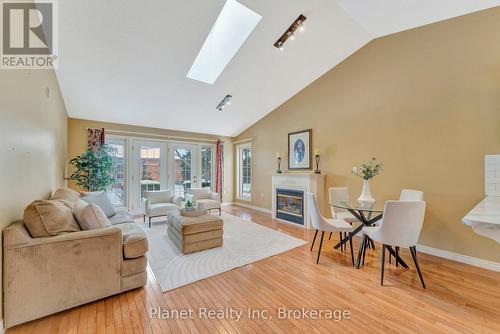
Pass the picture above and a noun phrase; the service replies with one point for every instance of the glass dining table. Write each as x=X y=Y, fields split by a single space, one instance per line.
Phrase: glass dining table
x=368 y=215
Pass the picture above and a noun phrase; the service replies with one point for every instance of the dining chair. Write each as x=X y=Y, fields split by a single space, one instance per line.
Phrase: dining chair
x=400 y=227
x=408 y=195
x=323 y=224
x=411 y=195
x=340 y=194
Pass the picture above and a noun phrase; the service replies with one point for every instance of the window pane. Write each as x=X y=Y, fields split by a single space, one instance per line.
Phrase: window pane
x=206 y=167
x=116 y=191
x=245 y=158
x=182 y=170
x=150 y=168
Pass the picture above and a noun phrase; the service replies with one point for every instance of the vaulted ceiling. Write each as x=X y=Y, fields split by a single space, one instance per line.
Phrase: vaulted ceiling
x=126 y=62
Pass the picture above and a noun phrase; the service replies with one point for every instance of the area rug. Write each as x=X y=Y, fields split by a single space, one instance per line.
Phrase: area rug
x=244 y=243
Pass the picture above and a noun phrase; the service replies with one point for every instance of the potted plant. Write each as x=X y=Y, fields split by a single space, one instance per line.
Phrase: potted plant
x=93 y=170
x=367 y=171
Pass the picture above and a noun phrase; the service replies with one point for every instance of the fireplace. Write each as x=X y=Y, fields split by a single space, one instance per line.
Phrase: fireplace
x=290 y=205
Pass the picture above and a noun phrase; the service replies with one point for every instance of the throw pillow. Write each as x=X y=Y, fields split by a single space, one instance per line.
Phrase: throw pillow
x=90 y=216
x=65 y=194
x=49 y=218
x=103 y=202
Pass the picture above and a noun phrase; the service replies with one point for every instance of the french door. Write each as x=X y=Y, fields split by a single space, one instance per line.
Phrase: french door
x=146 y=165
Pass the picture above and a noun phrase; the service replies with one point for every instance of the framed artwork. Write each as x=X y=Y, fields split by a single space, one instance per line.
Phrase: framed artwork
x=299 y=150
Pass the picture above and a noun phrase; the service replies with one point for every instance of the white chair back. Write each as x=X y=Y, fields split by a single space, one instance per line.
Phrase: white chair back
x=338 y=194
x=317 y=219
x=158 y=196
x=401 y=223
x=411 y=195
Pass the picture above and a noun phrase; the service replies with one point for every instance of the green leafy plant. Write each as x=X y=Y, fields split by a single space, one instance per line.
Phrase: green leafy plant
x=189 y=204
x=93 y=170
x=369 y=170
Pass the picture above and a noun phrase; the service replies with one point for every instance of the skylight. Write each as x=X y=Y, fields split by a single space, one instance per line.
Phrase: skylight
x=231 y=29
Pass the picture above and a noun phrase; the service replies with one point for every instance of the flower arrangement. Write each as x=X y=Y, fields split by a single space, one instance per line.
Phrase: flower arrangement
x=369 y=170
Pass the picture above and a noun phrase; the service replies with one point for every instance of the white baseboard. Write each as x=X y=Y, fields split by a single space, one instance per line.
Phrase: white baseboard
x=227 y=204
x=253 y=207
x=473 y=261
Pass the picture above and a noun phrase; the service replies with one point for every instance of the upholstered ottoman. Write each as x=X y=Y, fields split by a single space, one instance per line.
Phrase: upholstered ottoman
x=193 y=234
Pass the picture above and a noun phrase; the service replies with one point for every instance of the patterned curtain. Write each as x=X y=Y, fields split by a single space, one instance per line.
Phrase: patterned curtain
x=96 y=139
x=219 y=167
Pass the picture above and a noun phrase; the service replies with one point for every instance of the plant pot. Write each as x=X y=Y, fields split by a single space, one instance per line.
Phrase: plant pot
x=366 y=196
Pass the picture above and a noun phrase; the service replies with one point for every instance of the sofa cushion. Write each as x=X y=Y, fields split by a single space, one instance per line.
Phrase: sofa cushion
x=208 y=204
x=135 y=243
x=161 y=209
x=89 y=216
x=66 y=194
x=122 y=216
x=102 y=200
x=91 y=193
x=199 y=193
x=49 y=218
x=134 y=266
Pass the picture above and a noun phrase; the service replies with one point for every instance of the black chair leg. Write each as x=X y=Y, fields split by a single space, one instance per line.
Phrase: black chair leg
x=149 y=222
x=382 y=264
x=220 y=212
x=413 y=251
x=314 y=239
x=360 y=251
x=330 y=236
x=320 y=245
x=372 y=244
x=144 y=218
x=397 y=256
x=340 y=238
x=350 y=246
x=365 y=246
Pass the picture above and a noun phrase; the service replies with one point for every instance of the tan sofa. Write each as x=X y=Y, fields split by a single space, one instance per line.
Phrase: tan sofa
x=45 y=275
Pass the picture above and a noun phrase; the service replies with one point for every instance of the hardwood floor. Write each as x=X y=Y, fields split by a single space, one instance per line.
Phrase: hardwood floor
x=458 y=299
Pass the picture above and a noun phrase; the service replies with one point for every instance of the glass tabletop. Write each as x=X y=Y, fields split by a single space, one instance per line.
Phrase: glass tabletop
x=377 y=207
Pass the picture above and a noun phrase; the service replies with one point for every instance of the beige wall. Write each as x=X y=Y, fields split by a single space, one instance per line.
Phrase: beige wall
x=77 y=143
x=426 y=102
x=33 y=141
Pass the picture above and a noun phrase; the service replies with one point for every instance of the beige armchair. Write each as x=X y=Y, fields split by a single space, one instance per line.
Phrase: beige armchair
x=206 y=199
x=160 y=203
x=46 y=275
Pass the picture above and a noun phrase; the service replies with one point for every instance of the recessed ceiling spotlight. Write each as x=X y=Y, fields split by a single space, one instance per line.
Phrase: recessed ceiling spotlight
x=289 y=33
x=225 y=101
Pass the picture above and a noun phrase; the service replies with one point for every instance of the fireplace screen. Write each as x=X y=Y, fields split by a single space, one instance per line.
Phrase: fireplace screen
x=290 y=205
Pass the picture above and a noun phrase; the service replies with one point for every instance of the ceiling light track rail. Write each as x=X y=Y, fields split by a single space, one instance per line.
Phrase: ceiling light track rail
x=290 y=32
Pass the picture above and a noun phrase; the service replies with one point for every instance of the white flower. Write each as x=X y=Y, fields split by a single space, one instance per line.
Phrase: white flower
x=355 y=170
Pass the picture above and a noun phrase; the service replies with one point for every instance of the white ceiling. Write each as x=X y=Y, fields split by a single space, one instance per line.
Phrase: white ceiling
x=127 y=63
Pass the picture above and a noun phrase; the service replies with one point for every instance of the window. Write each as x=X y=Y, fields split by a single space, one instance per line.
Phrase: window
x=206 y=166
x=150 y=167
x=245 y=171
x=117 y=191
x=183 y=159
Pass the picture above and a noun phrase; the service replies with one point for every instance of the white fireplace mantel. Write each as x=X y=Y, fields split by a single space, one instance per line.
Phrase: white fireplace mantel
x=306 y=182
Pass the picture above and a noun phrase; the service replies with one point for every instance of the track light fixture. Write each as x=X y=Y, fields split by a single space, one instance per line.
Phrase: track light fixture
x=225 y=101
x=290 y=32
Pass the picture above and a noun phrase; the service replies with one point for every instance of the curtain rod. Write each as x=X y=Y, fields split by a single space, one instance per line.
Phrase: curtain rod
x=242 y=141
x=156 y=135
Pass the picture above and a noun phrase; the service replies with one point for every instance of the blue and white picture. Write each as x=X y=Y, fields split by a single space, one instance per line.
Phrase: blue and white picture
x=299 y=150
